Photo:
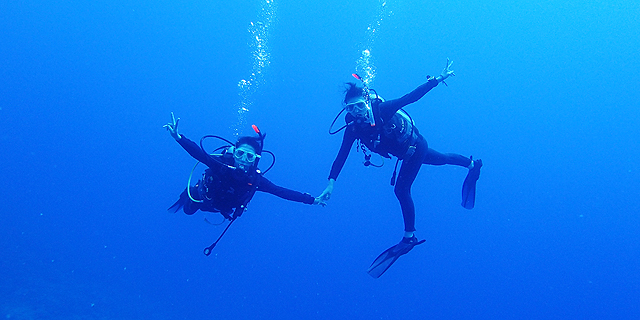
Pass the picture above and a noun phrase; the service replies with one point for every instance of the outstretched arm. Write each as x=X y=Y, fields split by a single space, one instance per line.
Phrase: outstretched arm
x=347 y=141
x=288 y=194
x=191 y=147
x=390 y=107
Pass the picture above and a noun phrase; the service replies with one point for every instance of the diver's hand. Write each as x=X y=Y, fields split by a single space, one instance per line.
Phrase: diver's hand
x=446 y=72
x=326 y=194
x=172 y=127
x=319 y=201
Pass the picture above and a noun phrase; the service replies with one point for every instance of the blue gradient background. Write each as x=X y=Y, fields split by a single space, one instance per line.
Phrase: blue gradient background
x=546 y=93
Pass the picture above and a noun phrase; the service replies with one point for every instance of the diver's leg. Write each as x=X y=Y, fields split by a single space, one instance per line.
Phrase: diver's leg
x=406 y=176
x=436 y=158
x=469 y=186
x=182 y=200
x=190 y=206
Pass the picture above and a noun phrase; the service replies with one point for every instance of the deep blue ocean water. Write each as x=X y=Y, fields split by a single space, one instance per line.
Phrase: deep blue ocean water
x=545 y=92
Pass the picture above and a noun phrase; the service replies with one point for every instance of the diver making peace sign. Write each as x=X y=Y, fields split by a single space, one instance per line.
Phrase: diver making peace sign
x=231 y=178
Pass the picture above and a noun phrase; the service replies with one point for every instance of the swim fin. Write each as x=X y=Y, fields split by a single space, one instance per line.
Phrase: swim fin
x=389 y=256
x=189 y=207
x=469 y=185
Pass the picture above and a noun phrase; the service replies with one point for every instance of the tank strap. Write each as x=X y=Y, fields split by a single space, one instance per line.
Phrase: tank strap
x=395 y=169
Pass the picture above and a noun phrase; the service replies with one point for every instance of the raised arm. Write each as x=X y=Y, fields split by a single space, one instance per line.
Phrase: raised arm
x=191 y=147
x=390 y=107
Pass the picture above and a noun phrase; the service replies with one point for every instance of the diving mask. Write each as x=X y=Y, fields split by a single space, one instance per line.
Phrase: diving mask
x=245 y=155
x=361 y=108
x=357 y=107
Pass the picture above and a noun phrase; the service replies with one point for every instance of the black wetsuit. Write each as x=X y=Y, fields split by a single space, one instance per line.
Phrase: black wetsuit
x=389 y=138
x=226 y=189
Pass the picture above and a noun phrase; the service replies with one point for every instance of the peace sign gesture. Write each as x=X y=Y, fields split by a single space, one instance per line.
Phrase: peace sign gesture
x=172 y=127
x=446 y=72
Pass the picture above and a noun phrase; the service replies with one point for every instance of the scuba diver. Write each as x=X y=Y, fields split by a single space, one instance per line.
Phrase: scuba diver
x=231 y=178
x=384 y=128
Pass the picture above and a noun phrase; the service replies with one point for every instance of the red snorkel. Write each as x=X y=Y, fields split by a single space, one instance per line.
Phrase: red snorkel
x=255 y=128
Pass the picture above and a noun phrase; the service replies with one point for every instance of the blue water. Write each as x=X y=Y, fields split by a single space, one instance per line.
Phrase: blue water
x=545 y=92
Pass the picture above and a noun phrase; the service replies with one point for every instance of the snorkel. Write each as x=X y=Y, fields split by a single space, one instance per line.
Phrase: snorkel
x=261 y=136
x=247 y=151
x=367 y=95
x=367 y=99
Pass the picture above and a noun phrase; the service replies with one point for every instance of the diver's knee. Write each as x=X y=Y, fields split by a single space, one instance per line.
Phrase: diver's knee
x=401 y=192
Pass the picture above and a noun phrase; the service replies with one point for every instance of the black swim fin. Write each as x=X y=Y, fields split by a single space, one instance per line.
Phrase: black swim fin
x=389 y=256
x=180 y=203
x=469 y=185
x=189 y=207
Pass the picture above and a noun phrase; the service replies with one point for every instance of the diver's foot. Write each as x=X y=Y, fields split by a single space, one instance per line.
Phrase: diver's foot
x=406 y=244
x=469 y=185
x=411 y=240
x=474 y=172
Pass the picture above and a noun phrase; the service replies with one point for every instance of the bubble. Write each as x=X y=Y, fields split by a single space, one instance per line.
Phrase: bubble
x=260 y=34
x=364 y=65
